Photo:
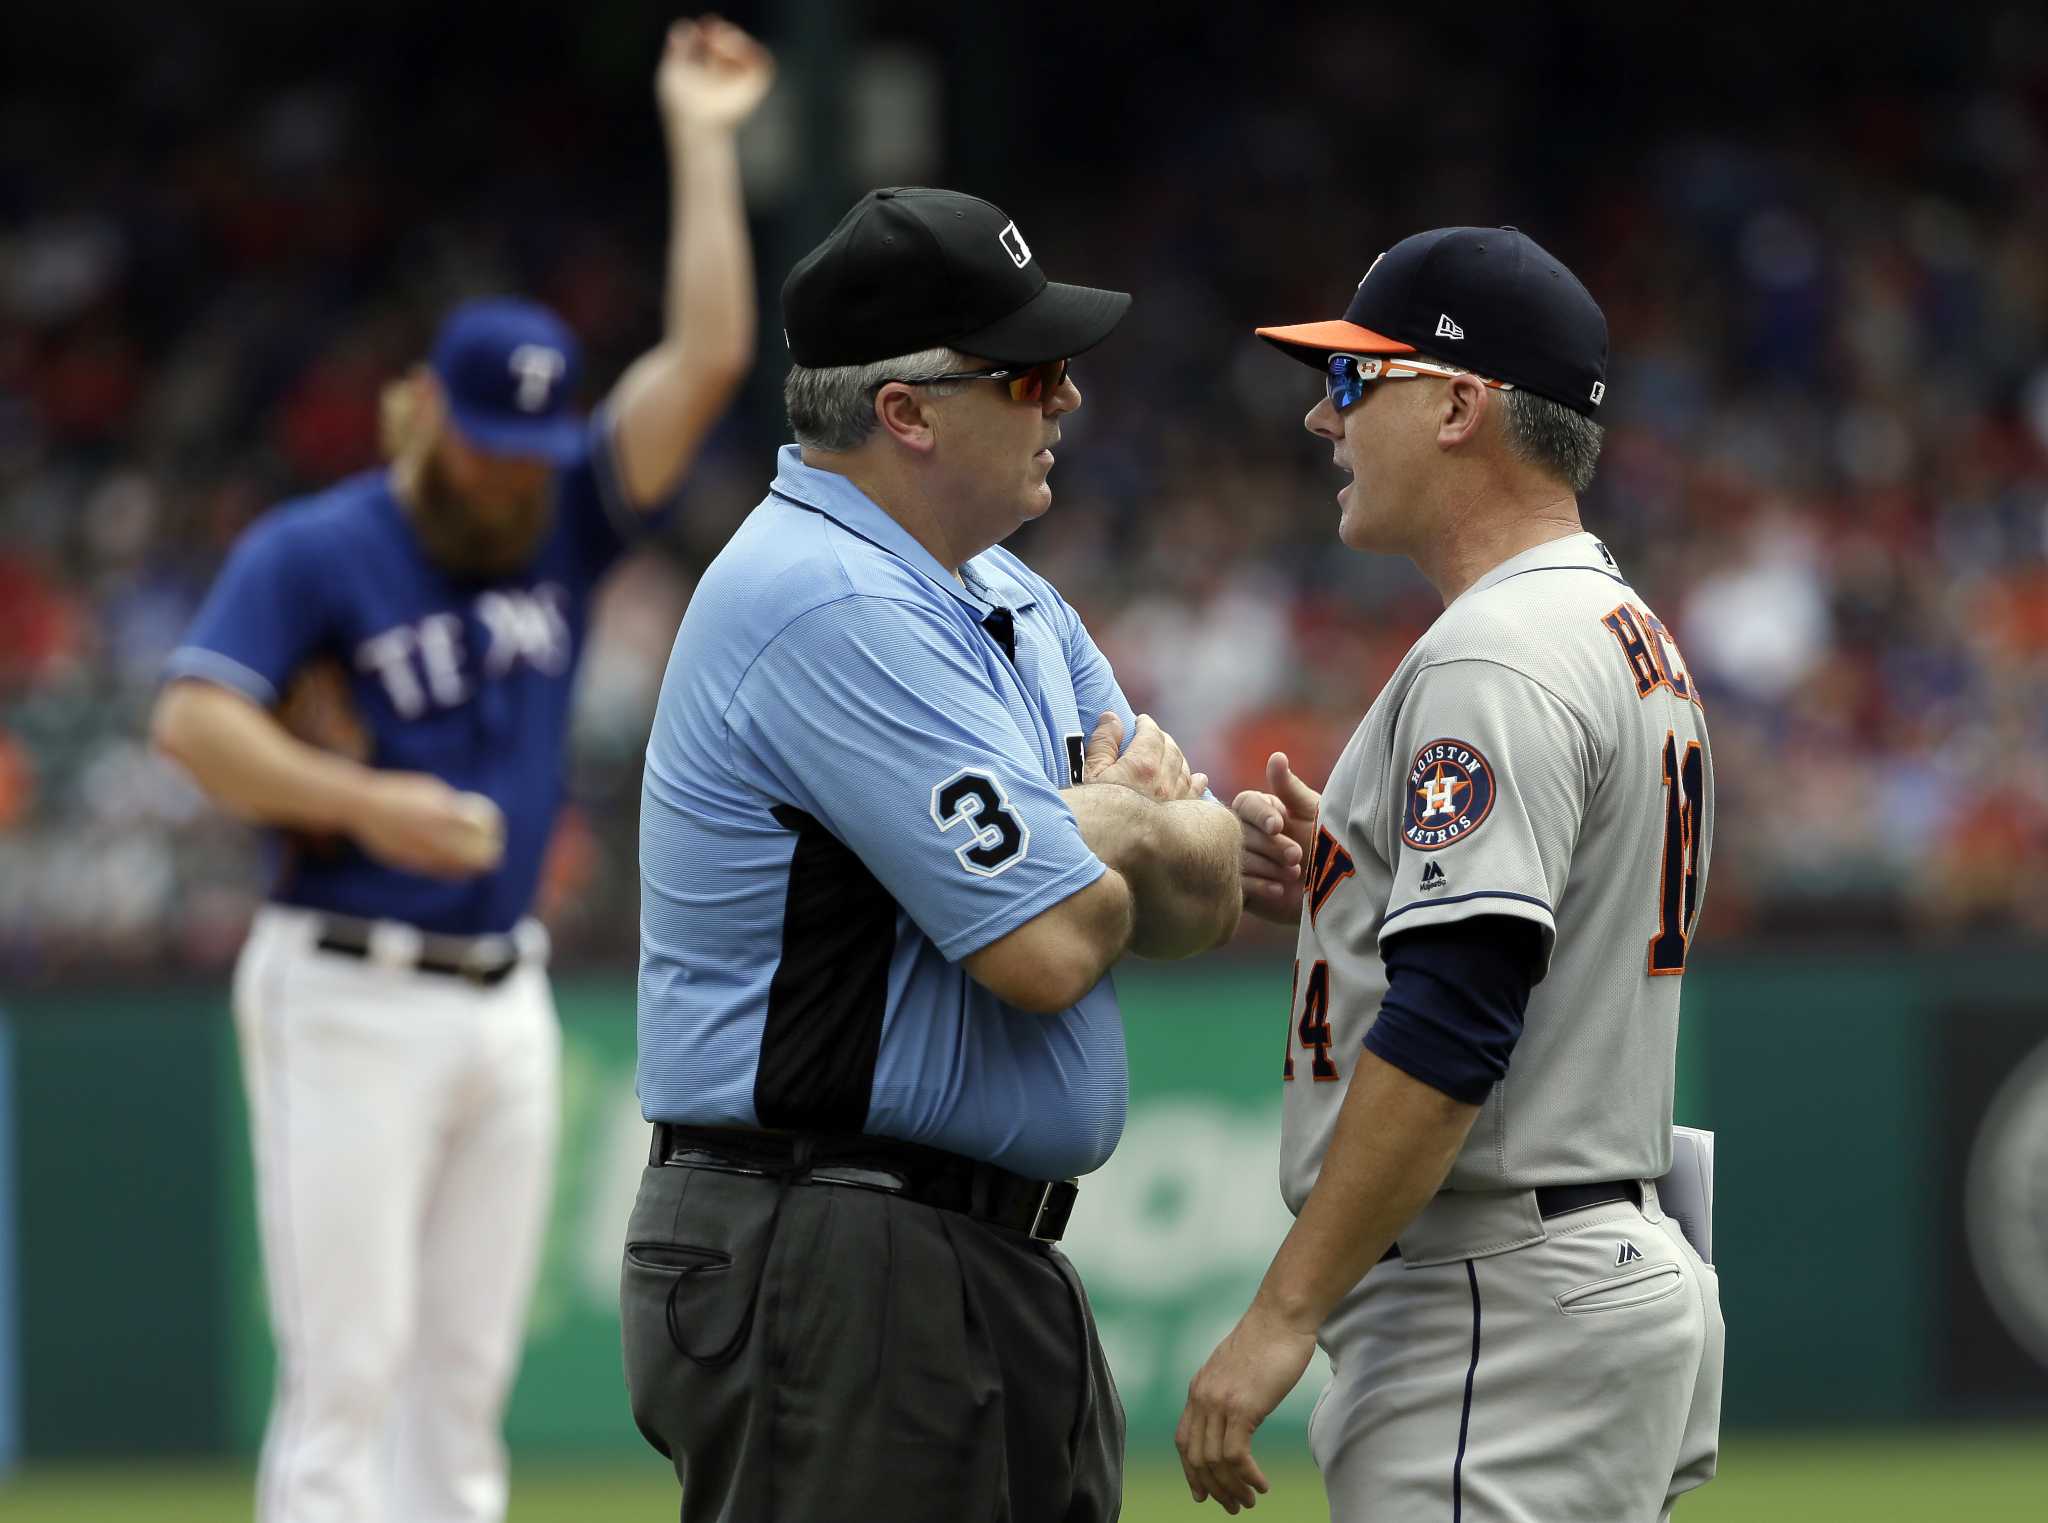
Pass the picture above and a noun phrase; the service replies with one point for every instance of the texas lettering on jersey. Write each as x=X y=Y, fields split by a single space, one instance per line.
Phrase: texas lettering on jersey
x=427 y=661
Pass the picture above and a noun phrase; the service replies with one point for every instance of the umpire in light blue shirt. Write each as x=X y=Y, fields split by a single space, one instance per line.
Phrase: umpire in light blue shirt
x=892 y=841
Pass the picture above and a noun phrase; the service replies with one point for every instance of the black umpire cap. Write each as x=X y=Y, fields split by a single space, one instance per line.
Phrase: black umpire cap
x=910 y=268
x=1487 y=299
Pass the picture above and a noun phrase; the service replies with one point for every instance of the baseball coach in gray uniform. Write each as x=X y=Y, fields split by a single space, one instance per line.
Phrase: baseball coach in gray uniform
x=885 y=870
x=1498 y=893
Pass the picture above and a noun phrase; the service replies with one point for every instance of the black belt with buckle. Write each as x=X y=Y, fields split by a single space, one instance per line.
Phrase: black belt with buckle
x=485 y=960
x=1038 y=1208
x=1555 y=1200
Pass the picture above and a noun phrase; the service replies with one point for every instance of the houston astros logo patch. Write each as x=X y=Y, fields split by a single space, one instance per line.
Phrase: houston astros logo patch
x=1450 y=794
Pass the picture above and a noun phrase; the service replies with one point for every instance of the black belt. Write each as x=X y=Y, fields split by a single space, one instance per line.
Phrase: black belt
x=485 y=960
x=1038 y=1208
x=1555 y=1200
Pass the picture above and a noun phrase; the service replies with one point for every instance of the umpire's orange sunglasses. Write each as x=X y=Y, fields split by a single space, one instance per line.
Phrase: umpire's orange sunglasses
x=1028 y=383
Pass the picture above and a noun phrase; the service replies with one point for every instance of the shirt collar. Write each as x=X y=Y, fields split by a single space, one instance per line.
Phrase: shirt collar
x=996 y=586
x=1581 y=551
x=828 y=492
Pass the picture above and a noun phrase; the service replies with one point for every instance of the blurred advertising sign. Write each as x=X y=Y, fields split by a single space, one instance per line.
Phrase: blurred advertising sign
x=1996 y=1099
x=10 y=1359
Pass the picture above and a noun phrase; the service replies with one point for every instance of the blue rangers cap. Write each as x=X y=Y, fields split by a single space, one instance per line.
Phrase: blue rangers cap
x=509 y=369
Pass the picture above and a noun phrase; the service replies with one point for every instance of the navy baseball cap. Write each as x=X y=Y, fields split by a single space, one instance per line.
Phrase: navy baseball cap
x=1487 y=299
x=509 y=369
x=910 y=268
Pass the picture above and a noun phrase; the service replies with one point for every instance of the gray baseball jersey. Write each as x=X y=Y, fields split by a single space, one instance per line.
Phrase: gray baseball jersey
x=1541 y=752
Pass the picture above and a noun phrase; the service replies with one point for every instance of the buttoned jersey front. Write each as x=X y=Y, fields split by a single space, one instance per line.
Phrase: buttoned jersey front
x=854 y=783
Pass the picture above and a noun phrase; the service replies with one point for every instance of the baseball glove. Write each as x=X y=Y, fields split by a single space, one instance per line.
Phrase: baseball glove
x=318 y=709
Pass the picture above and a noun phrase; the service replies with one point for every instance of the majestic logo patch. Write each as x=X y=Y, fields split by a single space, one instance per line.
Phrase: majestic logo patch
x=1450 y=794
x=1628 y=1255
x=1433 y=879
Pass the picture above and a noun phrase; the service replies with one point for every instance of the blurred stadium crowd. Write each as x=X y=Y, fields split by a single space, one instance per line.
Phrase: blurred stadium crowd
x=1827 y=454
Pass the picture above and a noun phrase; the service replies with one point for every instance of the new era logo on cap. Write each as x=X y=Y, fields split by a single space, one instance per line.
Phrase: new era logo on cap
x=1015 y=246
x=1445 y=328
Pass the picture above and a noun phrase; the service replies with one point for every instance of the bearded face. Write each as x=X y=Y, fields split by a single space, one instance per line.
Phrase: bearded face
x=481 y=516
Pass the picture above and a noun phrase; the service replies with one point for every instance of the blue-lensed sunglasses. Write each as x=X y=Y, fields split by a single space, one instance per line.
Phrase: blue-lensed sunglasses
x=1345 y=375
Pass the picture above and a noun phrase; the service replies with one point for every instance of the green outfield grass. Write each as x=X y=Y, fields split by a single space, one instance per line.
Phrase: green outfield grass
x=1908 y=1476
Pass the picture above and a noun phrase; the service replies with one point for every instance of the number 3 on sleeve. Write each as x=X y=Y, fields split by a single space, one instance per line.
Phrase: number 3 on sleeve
x=996 y=837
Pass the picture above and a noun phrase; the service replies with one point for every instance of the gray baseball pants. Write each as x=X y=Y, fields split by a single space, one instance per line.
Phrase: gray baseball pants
x=1511 y=1369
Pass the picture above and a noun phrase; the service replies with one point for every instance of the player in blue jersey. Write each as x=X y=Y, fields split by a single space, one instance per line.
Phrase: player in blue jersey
x=885 y=870
x=398 y=1035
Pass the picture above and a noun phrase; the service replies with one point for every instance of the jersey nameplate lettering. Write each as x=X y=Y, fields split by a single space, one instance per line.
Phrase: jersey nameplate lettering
x=1652 y=655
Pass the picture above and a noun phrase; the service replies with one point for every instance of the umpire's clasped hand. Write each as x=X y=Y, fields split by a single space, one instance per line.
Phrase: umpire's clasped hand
x=1152 y=764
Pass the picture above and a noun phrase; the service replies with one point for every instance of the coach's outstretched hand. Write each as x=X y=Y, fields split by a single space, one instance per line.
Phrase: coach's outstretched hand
x=1250 y=1373
x=712 y=74
x=1277 y=828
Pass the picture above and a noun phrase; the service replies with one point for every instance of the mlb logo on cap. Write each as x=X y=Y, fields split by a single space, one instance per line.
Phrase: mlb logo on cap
x=509 y=371
x=911 y=267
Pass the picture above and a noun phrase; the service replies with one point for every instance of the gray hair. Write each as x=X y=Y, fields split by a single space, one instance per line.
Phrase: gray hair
x=833 y=409
x=1551 y=437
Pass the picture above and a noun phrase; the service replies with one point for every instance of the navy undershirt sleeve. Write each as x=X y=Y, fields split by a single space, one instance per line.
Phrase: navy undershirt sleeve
x=1455 y=999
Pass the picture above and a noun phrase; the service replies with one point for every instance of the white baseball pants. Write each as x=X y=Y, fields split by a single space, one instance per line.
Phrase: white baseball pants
x=403 y=1125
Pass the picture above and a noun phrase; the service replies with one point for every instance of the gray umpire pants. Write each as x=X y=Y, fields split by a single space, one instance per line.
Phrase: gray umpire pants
x=828 y=1353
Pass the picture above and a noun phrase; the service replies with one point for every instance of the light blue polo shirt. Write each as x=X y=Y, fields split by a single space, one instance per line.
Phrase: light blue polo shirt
x=851 y=786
